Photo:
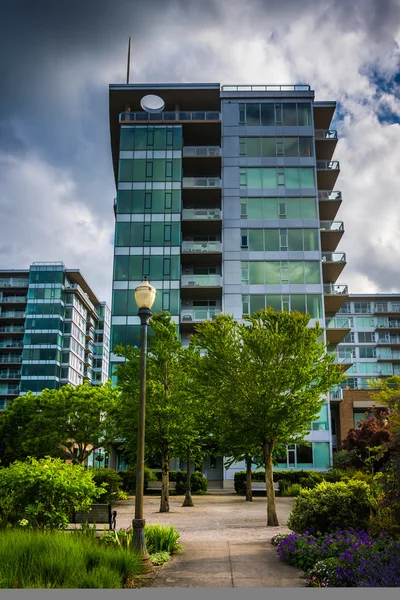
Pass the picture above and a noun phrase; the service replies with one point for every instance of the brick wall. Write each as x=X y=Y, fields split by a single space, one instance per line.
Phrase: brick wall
x=346 y=411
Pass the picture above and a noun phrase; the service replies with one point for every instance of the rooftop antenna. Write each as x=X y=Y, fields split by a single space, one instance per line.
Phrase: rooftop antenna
x=129 y=61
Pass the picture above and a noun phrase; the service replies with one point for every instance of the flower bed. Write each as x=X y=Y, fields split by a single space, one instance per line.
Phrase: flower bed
x=346 y=558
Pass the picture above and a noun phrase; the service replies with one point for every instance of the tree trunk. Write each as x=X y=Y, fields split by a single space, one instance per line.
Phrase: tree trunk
x=249 y=494
x=188 y=501
x=272 y=518
x=164 y=502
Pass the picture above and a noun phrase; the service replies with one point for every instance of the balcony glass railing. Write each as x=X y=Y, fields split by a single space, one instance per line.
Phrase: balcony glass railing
x=201 y=151
x=141 y=117
x=336 y=394
x=393 y=339
x=331 y=226
x=12 y=329
x=201 y=214
x=201 y=280
x=334 y=289
x=16 y=314
x=329 y=195
x=333 y=257
x=297 y=87
x=338 y=323
x=326 y=134
x=13 y=299
x=199 y=314
x=205 y=182
x=343 y=359
x=13 y=282
x=10 y=359
x=9 y=374
x=201 y=246
x=385 y=307
x=329 y=165
x=9 y=389
x=11 y=344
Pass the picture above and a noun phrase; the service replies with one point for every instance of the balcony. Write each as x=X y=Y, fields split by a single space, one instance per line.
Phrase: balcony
x=12 y=314
x=9 y=390
x=9 y=374
x=198 y=314
x=336 y=395
x=327 y=173
x=394 y=356
x=201 y=182
x=201 y=214
x=345 y=362
x=11 y=344
x=201 y=151
x=10 y=359
x=201 y=281
x=334 y=297
x=201 y=247
x=333 y=264
x=329 y=204
x=12 y=329
x=385 y=307
x=197 y=221
x=392 y=340
x=336 y=329
x=13 y=299
x=331 y=234
x=325 y=143
x=144 y=117
x=13 y=282
x=300 y=87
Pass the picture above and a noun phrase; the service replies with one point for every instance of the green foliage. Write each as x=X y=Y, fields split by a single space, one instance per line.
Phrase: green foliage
x=122 y=495
x=172 y=475
x=332 y=505
x=82 y=417
x=198 y=483
x=285 y=478
x=323 y=573
x=344 y=459
x=384 y=520
x=162 y=538
x=44 y=559
x=112 y=483
x=129 y=479
x=45 y=492
x=159 y=558
x=292 y=489
x=265 y=379
x=239 y=479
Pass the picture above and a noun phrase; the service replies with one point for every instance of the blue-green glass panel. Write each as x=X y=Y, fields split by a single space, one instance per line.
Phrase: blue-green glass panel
x=321 y=454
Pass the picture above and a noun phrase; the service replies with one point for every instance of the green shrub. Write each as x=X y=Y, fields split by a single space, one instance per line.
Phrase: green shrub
x=45 y=492
x=41 y=559
x=384 y=520
x=129 y=479
x=161 y=538
x=159 y=558
x=112 y=483
x=293 y=490
x=198 y=483
x=323 y=573
x=239 y=480
x=336 y=475
x=332 y=505
x=344 y=459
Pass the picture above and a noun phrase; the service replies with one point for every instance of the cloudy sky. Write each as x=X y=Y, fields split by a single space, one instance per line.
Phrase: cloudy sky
x=57 y=60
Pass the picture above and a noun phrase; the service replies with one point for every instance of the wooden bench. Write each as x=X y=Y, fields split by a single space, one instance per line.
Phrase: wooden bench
x=257 y=486
x=99 y=513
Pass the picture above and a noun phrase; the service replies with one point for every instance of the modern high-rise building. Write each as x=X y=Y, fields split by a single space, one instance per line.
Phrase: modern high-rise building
x=226 y=200
x=53 y=331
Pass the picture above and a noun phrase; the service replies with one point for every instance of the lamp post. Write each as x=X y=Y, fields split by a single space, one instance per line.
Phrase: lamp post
x=144 y=296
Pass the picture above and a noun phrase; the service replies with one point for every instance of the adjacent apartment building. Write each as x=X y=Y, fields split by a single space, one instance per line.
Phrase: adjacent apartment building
x=227 y=201
x=53 y=331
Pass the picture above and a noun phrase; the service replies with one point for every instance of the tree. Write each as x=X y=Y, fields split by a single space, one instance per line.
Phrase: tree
x=372 y=433
x=173 y=412
x=270 y=372
x=81 y=417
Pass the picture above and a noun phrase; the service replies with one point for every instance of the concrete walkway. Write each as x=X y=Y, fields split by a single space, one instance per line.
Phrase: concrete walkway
x=226 y=542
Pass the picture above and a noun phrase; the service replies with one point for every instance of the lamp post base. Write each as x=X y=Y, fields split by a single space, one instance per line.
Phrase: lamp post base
x=139 y=545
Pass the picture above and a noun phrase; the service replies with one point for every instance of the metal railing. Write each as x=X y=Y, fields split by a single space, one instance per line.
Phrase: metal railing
x=12 y=329
x=198 y=314
x=201 y=280
x=207 y=182
x=329 y=165
x=338 y=323
x=201 y=151
x=326 y=134
x=9 y=390
x=7 y=374
x=331 y=226
x=335 y=289
x=13 y=282
x=201 y=246
x=11 y=344
x=329 y=195
x=201 y=214
x=140 y=117
x=16 y=314
x=336 y=394
x=297 y=87
x=385 y=307
x=333 y=257
x=13 y=299
x=394 y=339
x=348 y=358
x=11 y=359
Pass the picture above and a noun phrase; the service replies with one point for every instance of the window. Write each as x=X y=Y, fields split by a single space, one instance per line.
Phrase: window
x=147 y=233
x=365 y=322
x=367 y=352
x=147 y=201
x=272 y=177
x=149 y=169
x=362 y=307
x=167 y=233
x=244 y=237
x=167 y=266
x=168 y=201
x=366 y=337
x=168 y=168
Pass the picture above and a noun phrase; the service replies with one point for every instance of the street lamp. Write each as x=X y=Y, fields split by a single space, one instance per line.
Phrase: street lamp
x=145 y=295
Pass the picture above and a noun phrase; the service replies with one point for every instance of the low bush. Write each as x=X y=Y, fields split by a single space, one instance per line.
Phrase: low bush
x=53 y=559
x=129 y=479
x=291 y=490
x=198 y=483
x=172 y=475
x=112 y=483
x=162 y=538
x=332 y=505
x=384 y=519
x=44 y=492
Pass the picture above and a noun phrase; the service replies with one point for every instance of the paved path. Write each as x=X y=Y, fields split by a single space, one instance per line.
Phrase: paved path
x=226 y=542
